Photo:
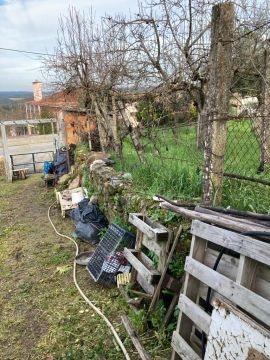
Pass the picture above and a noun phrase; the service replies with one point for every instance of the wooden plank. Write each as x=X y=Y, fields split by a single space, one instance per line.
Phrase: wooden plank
x=229 y=217
x=158 y=288
x=217 y=220
x=202 y=293
x=152 y=245
x=27 y=122
x=190 y=289
x=138 y=245
x=246 y=271
x=195 y=313
x=134 y=338
x=146 y=261
x=244 y=245
x=246 y=299
x=153 y=230
x=227 y=266
x=261 y=284
x=195 y=342
x=148 y=288
x=140 y=294
x=182 y=348
x=150 y=275
x=231 y=308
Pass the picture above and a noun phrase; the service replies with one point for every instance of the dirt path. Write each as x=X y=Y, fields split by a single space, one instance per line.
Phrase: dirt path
x=41 y=314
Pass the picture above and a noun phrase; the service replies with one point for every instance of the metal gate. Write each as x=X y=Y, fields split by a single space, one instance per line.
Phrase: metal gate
x=33 y=161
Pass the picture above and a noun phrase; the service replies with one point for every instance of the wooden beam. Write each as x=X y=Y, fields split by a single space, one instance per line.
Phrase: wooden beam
x=229 y=217
x=149 y=288
x=246 y=272
x=126 y=297
x=217 y=220
x=246 y=299
x=151 y=276
x=245 y=245
x=153 y=230
x=195 y=313
x=190 y=289
x=167 y=263
x=228 y=265
x=134 y=338
x=183 y=349
x=6 y=153
x=27 y=122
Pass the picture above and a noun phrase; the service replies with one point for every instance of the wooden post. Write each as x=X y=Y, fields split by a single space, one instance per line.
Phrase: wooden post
x=6 y=153
x=134 y=133
x=265 y=115
x=115 y=129
x=217 y=99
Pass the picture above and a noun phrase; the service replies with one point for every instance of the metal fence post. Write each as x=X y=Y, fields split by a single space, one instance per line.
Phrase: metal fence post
x=34 y=164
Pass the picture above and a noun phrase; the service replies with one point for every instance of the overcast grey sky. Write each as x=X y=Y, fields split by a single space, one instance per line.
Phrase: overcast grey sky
x=32 y=25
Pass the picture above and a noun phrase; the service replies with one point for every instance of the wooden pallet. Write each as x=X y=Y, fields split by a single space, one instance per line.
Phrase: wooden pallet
x=154 y=237
x=242 y=278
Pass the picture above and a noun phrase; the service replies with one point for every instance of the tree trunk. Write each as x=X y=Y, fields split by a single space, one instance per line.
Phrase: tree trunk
x=101 y=127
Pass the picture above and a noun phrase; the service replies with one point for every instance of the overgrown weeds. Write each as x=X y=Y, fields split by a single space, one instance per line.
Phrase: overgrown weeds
x=175 y=170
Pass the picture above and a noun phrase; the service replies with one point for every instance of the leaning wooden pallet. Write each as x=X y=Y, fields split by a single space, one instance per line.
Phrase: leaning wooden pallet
x=244 y=284
x=155 y=238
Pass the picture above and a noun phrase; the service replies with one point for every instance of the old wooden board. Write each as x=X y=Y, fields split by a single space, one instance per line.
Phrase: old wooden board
x=151 y=276
x=242 y=279
x=245 y=245
x=248 y=300
x=217 y=220
x=152 y=230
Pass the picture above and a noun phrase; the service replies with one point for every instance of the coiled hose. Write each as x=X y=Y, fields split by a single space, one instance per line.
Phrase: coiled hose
x=97 y=310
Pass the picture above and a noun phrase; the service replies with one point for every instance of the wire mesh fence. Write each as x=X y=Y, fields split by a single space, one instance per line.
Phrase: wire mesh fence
x=243 y=149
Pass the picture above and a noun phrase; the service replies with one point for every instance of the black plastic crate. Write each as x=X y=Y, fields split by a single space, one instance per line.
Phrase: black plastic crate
x=108 y=258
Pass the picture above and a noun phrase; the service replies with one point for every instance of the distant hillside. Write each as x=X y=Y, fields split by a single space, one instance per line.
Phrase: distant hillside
x=9 y=97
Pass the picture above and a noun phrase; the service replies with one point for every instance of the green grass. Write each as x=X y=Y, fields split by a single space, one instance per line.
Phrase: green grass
x=42 y=314
x=176 y=170
x=176 y=173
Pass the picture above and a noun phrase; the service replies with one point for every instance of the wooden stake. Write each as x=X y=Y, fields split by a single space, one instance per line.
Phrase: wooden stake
x=134 y=338
x=217 y=99
x=6 y=154
x=158 y=288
